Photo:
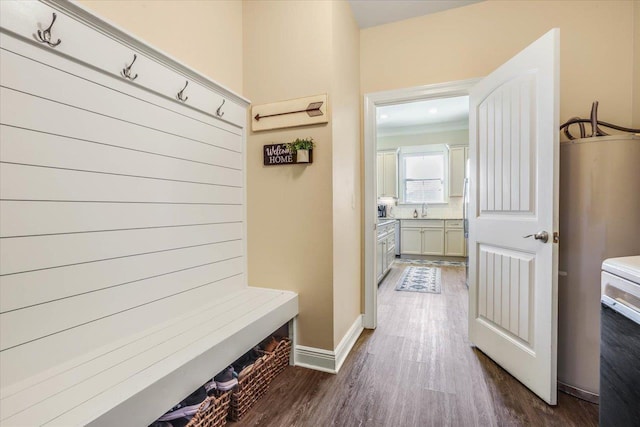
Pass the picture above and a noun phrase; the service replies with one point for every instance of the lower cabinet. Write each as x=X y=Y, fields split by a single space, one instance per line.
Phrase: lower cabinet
x=454 y=238
x=432 y=241
x=385 y=249
x=380 y=258
x=432 y=237
x=454 y=242
x=411 y=241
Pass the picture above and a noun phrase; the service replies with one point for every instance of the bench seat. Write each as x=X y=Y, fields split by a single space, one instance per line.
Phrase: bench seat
x=133 y=381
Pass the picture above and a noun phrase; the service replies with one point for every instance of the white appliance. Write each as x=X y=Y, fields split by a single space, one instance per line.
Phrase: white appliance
x=465 y=223
x=620 y=343
x=599 y=219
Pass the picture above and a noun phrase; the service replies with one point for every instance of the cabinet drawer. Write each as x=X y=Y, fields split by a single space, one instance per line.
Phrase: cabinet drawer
x=453 y=223
x=423 y=223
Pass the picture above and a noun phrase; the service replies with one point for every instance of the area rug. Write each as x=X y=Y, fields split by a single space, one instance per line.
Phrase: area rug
x=420 y=279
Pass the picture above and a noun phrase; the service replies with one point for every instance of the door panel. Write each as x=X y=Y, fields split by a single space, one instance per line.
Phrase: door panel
x=505 y=165
x=411 y=241
x=432 y=241
x=514 y=145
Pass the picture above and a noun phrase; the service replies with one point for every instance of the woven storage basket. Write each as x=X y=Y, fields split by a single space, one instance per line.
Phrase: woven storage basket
x=250 y=388
x=282 y=354
x=212 y=412
x=279 y=358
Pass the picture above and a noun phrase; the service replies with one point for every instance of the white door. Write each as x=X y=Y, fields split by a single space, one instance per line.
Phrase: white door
x=514 y=149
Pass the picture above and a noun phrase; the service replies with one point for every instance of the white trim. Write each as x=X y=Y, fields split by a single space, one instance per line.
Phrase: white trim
x=325 y=360
x=371 y=102
x=315 y=358
x=348 y=341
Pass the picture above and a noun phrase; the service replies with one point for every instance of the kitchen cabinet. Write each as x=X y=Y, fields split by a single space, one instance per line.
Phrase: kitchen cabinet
x=387 y=173
x=385 y=248
x=422 y=237
x=457 y=164
x=454 y=238
x=432 y=241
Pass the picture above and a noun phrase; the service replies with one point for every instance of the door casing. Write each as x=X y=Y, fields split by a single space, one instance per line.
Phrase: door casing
x=371 y=102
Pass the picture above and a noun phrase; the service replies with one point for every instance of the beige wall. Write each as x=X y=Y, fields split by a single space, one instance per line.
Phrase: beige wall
x=636 y=65
x=198 y=33
x=290 y=216
x=345 y=91
x=471 y=41
x=277 y=50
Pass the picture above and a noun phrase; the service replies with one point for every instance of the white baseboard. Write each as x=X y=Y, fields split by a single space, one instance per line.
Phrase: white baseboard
x=326 y=360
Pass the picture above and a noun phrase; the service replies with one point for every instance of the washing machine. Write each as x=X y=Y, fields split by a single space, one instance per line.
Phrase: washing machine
x=620 y=343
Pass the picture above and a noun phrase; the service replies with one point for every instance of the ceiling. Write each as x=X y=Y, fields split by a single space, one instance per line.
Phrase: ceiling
x=432 y=115
x=369 y=13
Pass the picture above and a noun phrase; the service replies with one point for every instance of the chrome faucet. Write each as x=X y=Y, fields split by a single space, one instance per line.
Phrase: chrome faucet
x=425 y=208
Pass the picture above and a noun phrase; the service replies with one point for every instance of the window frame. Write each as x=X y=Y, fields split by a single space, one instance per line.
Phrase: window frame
x=416 y=150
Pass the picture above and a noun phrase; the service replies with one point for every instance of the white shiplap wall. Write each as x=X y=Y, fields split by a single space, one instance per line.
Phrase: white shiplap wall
x=120 y=206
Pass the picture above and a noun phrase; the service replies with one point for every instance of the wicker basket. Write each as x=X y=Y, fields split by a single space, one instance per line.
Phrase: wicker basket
x=250 y=388
x=282 y=355
x=212 y=412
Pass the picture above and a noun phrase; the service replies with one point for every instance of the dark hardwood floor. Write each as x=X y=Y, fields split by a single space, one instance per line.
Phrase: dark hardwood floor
x=416 y=369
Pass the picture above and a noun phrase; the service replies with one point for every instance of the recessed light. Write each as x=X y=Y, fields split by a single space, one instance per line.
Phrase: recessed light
x=384 y=116
x=433 y=110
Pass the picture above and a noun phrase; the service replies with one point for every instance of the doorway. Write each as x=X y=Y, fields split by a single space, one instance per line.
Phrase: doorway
x=375 y=106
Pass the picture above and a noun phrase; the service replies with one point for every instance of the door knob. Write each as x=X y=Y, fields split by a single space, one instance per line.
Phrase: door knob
x=541 y=235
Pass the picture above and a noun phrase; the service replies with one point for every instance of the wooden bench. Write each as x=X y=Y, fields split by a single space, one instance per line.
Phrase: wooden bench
x=133 y=381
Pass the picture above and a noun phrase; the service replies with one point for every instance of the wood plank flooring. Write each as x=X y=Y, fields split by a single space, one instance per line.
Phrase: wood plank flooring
x=416 y=369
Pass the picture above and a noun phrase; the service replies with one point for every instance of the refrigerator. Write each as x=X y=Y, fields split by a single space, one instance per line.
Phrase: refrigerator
x=599 y=219
x=465 y=221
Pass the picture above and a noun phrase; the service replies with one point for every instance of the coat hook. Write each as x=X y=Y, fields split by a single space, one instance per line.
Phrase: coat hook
x=126 y=72
x=180 y=95
x=45 y=36
x=219 y=111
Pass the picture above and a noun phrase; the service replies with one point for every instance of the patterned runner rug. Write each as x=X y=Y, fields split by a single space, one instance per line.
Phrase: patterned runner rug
x=420 y=279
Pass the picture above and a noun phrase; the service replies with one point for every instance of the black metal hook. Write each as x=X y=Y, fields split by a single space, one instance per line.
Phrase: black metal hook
x=126 y=72
x=180 y=95
x=219 y=111
x=45 y=36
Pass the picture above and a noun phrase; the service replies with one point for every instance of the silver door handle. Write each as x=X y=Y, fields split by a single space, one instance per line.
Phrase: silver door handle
x=541 y=235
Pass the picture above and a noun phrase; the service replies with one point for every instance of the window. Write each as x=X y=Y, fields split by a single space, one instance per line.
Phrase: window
x=423 y=174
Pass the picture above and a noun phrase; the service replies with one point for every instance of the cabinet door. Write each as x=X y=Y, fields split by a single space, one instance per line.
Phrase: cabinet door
x=391 y=256
x=454 y=242
x=390 y=174
x=433 y=241
x=411 y=241
x=456 y=171
x=380 y=259
x=380 y=174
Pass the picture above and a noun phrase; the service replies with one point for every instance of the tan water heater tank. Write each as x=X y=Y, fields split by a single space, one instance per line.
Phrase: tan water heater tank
x=599 y=219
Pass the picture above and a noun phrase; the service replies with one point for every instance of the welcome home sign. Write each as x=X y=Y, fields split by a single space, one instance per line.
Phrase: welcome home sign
x=278 y=154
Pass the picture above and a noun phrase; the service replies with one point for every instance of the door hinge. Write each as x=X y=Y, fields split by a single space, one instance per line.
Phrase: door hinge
x=556 y=237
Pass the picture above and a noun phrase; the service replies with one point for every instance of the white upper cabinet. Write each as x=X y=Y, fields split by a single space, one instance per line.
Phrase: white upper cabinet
x=457 y=163
x=387 y=173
